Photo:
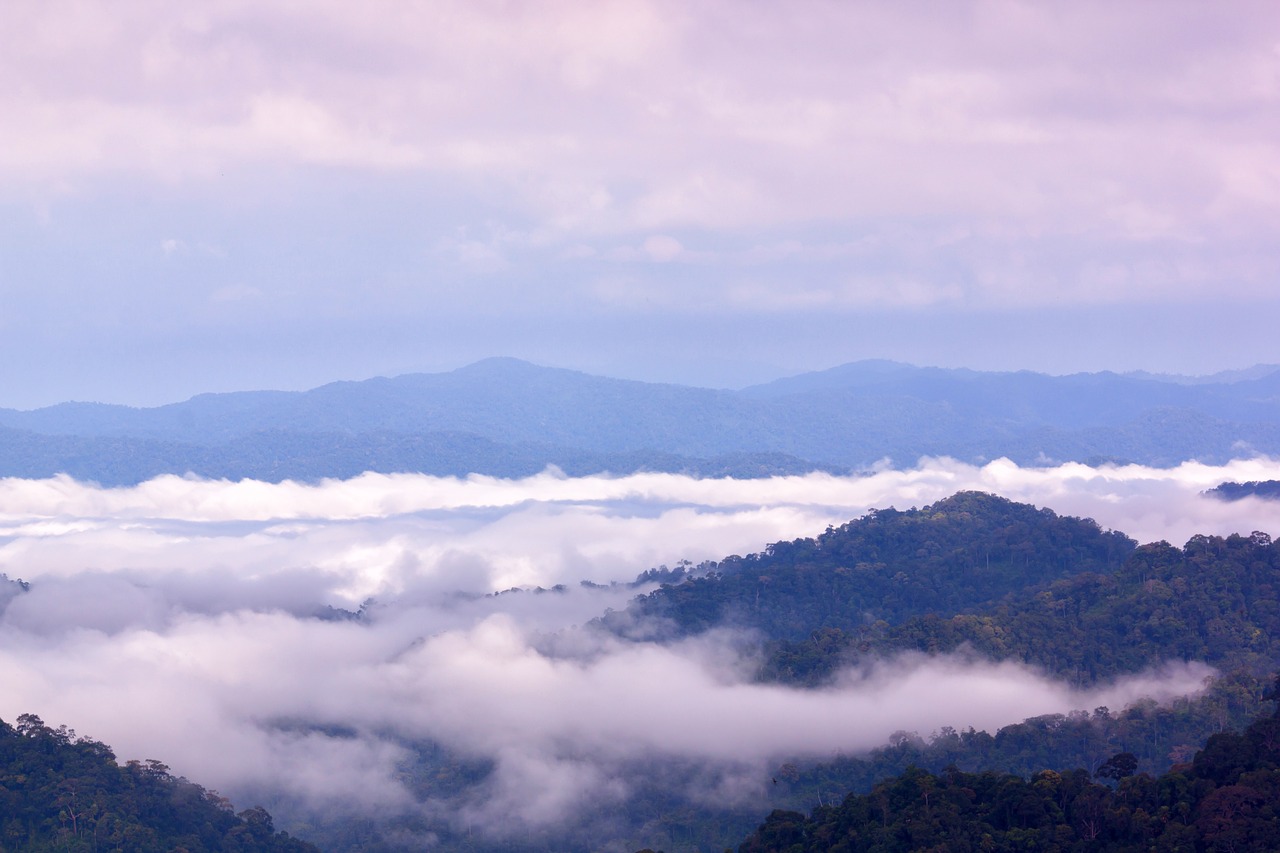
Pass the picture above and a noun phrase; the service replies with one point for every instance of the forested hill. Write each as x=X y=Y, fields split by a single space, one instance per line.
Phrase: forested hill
x=1269 y=489
x=63 y=793
x=1213 y=600
x=1082 y=604
x=505 y=417
x=1227 y=799
x=961 y=553
x=1008 y=580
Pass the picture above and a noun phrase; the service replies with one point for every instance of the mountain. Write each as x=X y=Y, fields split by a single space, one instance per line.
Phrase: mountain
x=1068 y=402
x=1258 y=371
x=508 y=418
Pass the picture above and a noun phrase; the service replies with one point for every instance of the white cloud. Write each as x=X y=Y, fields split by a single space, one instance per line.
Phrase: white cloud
x=719 y=115
x=181 y=604
x=446 y=174
x=661 y=248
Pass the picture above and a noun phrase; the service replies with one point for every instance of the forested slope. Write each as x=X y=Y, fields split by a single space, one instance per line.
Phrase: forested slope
x=1226 y=799
x=1213 y=600
x=59 y=792
x=1006 y=580
x=1086 y=607
x=961 y=553
x=1269 y=489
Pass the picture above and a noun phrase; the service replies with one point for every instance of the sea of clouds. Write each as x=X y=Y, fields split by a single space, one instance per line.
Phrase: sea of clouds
x=193 y=622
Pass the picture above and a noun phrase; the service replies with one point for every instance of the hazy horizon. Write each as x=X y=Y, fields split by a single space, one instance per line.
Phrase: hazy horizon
x=224 y=196
x=148 y=403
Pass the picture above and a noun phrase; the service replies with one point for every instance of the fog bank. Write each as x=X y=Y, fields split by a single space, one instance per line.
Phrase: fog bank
x=211 y=624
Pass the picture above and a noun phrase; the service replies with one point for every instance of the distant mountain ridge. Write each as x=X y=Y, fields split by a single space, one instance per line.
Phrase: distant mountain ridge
x=507 y=417
x=1258 y=371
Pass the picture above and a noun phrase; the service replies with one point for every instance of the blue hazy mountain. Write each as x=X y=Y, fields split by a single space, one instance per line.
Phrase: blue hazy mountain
x=507 y=417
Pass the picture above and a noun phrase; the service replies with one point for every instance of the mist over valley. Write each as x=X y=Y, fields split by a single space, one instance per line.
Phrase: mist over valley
x=423 y=659
x=639 y=426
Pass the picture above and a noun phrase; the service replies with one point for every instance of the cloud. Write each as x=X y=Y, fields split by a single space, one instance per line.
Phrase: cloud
x=181 y=605
x=662 y=248
x=715 y=116
x=445 y=175
x=262 y=690
x=232 y=293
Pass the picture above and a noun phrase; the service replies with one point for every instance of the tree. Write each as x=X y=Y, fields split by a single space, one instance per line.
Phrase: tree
x=1119 y=766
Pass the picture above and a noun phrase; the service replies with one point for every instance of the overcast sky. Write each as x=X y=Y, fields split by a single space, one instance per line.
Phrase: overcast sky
x=232 y=195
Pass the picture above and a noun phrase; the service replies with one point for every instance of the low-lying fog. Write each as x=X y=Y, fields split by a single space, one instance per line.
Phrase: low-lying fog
x=180 y=620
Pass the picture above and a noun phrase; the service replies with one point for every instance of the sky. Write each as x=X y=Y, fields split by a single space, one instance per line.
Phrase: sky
x=184 y=605
x=232 y=195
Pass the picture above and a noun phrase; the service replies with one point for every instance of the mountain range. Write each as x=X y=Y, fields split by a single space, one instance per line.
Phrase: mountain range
x=506 y=417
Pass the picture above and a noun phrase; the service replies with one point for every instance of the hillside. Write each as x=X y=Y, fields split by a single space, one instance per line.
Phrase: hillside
x=66 y=793
x=1224 y=799
x=1213 y=600
x=965 y=552
x=1007 y=581
x=975 y=571
x=1268 y=489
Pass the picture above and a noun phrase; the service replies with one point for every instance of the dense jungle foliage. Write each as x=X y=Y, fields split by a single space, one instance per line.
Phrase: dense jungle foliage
x=1214 y=600
x=981 y=573
x=959 y=554
x=1226 y=799
x=59 y=792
